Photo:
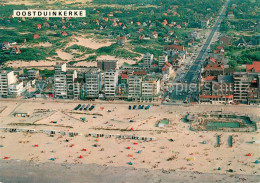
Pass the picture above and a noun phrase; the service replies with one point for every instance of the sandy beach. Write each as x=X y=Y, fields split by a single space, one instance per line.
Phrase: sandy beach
x=24 y=171
x=175 y=148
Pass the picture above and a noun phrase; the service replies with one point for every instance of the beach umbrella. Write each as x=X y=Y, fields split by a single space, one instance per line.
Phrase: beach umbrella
x=219 y=168
x=130 y=155
x=256 y=161
x=139 y=151
x=128 y=147
x=35 y=145
x=6 y=157
x=249 y=154
x=52 y=159
x=130 y=163
x=102 y=108
x=135 y=143
x=80 y=156
x=131 y=129
x=83 y=149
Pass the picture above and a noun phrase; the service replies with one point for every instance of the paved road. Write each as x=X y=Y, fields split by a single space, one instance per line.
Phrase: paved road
x=196 y=67
x=192 y=77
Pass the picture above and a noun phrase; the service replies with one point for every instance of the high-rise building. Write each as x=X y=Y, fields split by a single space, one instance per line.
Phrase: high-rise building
x=163 y=58
x=71 y=76
x=60 y=85
x=6 y=78
x=60 y=67
x=134 y=86
x=110 y=83
x=92 y=83
x=148 y=59
x=107 y=65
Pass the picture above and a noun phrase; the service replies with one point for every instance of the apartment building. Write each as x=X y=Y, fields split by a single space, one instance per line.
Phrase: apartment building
x=32 y=74
x=71 y=76
x=6 y=78
x=60 y=85
x=92 y=84
x=217 y=89
x=163 y=58
x=134 y=86
x=60 y=67
x=16 y=89
x=150 y=88
x=110 y=83
x=241 y=86
x=106 y=65
x=76 y=89
x=148 y=59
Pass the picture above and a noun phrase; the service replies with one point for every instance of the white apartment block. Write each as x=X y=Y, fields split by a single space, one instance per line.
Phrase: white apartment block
x=15 y=89
x=162 y=60
x=6 y=78
x=148 y=59
x=110 y=83
x=150 y=88
x=92 y=83
x=71 y=76
x=60 y=68
x=76 y=90
x=134 y=86
x=32 y=74
x=60 y=85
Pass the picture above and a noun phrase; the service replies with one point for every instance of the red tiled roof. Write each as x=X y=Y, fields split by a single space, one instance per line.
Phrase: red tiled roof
x=212 y=59
x=255 y=67
x=214 y=67
x=173 y=47
x=16 y=48
x=167 y=64
x=209 y=78
x=164 y=69
x=124 y=76
x=139 y=73
x=220 y=47
x=210 y=96
x=39 y=26
x=35 y=36
x=64 y=33
x=229 y=96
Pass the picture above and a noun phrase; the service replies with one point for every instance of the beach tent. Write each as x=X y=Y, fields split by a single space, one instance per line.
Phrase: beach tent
x=52 y=159
x=130 y=163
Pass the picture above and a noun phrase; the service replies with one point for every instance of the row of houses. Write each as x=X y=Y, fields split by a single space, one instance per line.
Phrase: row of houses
x=238 y=87
x=105 y=82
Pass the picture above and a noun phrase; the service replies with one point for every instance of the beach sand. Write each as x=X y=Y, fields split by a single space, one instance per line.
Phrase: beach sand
x=185 y=153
